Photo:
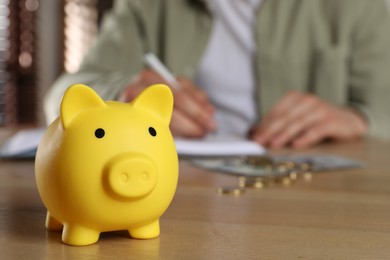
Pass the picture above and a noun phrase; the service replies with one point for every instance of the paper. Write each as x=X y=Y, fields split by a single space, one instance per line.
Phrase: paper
x=218 y=146
x=23 y=144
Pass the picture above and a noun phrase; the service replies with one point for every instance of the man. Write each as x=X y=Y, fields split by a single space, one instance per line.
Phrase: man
x=282 y=73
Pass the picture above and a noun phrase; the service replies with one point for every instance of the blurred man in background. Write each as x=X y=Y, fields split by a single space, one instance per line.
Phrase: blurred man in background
x=283 y=73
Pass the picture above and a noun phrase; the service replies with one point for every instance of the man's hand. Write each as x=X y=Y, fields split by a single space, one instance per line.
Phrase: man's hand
x=193 y=114
x=302 y=120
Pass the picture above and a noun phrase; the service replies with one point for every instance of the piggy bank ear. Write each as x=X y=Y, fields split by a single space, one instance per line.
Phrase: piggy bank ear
x=158 y=99
x=76 y=99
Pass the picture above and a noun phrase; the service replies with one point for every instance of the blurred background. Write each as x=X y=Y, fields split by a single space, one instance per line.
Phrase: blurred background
x=39 y=39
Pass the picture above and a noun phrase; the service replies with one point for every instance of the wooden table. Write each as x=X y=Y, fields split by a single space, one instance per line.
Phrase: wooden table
x=337 y=215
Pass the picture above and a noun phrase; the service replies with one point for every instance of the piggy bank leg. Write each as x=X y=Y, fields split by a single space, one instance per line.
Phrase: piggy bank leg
x=79 y=236
x=52 y=223
x=150 y=230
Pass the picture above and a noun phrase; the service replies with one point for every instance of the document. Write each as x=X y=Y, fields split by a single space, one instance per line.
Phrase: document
x=23 y=145
x=25 y=142
x=218 y=146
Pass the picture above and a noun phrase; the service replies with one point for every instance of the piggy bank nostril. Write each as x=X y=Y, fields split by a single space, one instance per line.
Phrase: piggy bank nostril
x=144 y=176
x=125 y=177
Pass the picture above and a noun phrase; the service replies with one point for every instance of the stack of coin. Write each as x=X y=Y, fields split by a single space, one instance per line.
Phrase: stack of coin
x=263 y=162
x=306 y=171
x=272 y=173
x=230 y=190
x=252 y=182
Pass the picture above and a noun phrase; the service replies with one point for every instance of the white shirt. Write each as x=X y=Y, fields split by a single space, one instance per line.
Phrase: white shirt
x=226 y=69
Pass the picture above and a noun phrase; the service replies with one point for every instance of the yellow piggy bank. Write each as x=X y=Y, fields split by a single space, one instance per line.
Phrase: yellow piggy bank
x=106 y=166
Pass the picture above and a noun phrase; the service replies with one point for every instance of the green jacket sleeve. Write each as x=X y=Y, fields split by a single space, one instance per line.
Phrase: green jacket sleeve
x=370 y=66
x=110 y=64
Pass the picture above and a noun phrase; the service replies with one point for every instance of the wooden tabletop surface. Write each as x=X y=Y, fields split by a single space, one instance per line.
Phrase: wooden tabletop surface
x=343 y=214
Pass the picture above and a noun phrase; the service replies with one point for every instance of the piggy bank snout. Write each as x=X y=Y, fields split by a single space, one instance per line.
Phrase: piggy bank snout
x=130 y=176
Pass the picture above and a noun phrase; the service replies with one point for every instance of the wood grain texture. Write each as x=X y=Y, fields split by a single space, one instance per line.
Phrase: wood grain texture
x=337 y=215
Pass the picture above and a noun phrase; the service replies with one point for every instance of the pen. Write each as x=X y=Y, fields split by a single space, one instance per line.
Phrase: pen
x=153 y=62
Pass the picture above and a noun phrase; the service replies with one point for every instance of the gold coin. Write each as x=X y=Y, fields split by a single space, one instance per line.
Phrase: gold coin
x=307 y=176
x=283 y=167
x=259 y=161
x=285 y=180
x=255 y=183
x=241 y=181
x=252 y=182
x=290 y=165
x=293 y=175
x=305 y=167
x=230 y=190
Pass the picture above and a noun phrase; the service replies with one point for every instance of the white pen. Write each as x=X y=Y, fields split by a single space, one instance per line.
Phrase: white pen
x=153 y=62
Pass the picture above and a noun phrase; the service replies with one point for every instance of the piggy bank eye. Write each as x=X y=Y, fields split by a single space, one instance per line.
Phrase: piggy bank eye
x=152 y=131
x=99 y=133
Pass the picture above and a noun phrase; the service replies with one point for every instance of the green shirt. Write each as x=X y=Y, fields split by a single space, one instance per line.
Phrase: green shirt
x=336 y=49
